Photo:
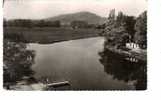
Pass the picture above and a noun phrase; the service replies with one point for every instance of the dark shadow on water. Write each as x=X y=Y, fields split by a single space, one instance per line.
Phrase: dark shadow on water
x=122 y=69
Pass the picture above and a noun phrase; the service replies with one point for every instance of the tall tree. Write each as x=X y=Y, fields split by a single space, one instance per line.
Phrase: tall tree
x=120 y=19
x=129 y=26
x=141 y=30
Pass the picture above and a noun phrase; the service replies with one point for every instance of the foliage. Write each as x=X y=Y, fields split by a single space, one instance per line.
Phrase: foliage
x=141 y=30
x=116 y=30
x=129 y=26
x=19 y=23
x=123 y=28
x=79 y=24
x=31 y=23
x=43 y=23
x=17 y=61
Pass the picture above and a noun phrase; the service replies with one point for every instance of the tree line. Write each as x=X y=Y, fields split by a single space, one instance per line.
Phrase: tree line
x=31 y=23
x=43 y=23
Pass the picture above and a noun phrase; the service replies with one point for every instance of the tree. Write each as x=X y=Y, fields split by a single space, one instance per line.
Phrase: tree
x=129 y=26
x=115 y=30
x=120 y=19
x=4 y=22
x=141 y=30
x=40 y=23
x=119 y=29
x=79 y=24
x=110 y=24
x=56 y=23
x=17 y=61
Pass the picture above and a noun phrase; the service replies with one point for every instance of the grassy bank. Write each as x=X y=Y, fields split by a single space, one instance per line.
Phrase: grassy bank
x=50 y=34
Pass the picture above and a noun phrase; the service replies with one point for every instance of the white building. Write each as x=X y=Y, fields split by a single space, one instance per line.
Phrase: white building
x=132 y=45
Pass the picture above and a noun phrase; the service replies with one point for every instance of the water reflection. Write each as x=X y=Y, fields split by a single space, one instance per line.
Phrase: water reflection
x=76 y=61
x=122 y=69
x=17 y=62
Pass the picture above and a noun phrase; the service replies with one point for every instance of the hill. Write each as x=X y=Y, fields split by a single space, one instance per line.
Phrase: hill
x=89 y=17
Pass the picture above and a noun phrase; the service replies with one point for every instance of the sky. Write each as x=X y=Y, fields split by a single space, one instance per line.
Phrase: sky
x=39 y=9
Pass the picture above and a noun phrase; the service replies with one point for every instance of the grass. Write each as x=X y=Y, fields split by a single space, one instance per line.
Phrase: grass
x=50 y=34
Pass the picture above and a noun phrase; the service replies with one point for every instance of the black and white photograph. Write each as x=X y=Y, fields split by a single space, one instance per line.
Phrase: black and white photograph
x=75 y=45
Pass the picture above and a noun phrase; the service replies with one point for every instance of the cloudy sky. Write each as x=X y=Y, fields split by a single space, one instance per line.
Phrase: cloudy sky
x=38 y=9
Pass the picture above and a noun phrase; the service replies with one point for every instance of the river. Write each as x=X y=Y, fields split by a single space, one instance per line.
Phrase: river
x=79 y=62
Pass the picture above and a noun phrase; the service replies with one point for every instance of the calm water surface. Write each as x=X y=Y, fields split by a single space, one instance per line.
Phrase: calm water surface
x=76 y=61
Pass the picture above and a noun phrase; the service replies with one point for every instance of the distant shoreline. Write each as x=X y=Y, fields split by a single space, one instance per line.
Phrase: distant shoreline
x=47 y=35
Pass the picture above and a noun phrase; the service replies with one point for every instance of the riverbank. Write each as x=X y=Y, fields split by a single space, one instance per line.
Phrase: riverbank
x=50 y=34
x=131 y=53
